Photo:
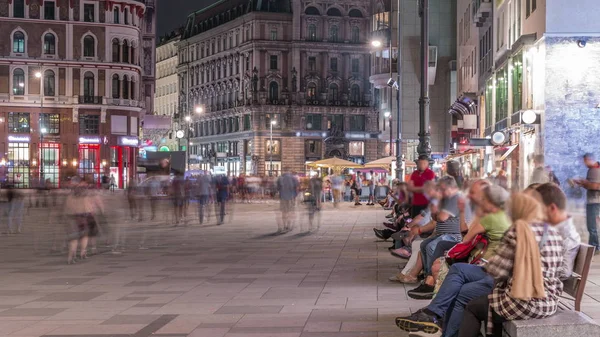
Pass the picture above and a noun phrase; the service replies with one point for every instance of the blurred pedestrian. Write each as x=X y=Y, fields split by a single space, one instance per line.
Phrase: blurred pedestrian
x=287 y=185
x=203 y=191
x=222 y=193
x=15 y=210
x=592 y=185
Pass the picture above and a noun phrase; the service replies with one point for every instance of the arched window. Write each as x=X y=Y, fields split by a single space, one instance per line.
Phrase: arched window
x=132 y=89
x=18 y=42
x=116 y=86
x=311 y=91
x=49 y=83
x=333 y=33
x=125 y=87
x=88 y=84
x=333 y=92
x=273 y=91
x=355 y=13
x=49 y=44
x=116 y=15
x=116 y=47
x=18 y=82
x=355 y=93
x=355 y=34
x=125 y=51
x=334 y=12
x=311 y=11
x=89 y=46
x=126 y=16
x=312 y=32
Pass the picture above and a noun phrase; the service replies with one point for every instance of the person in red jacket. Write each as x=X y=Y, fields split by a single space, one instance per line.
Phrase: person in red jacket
x=415 y=185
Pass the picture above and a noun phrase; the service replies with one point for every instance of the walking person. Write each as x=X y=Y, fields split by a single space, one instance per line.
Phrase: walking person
x=178 y=196
x=222 y=193
x=113 y=183
x=416 y=183
x=15 y=210
x=287 y=185
x=372 y=183
x=357 y=188
x=203 y=191
x=592 y=185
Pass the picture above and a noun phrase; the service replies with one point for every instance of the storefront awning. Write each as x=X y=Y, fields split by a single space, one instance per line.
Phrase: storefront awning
x=507 y=152
x=463 y=106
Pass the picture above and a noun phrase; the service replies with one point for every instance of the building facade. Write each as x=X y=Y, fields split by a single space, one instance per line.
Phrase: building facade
x=441 y=73
x=271 y=85
x=76 y=78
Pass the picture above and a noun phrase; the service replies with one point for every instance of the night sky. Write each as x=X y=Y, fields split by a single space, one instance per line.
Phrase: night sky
x=172 y=13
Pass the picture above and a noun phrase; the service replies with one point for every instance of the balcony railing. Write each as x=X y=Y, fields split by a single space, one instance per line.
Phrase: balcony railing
x=90 y=99
x=310 y=101
x=482 y=11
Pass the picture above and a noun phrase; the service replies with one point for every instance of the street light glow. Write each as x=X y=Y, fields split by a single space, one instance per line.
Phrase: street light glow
x=188 y=118
x=38 y=74
x=44 y=130
x=199 y=110
x=387 y=114
x=273 y=122
x=376 y=43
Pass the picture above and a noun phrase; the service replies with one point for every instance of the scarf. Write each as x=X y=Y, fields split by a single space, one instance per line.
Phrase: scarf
x=528 y=281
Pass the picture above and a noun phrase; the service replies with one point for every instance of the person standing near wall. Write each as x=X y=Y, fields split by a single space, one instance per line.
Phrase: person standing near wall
x=592 y=185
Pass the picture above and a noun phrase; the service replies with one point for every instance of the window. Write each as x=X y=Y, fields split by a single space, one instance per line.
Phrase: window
x=357 y=123
x=132 y=89
x=274 y=34
x=89 y=46
x=312 y=148
x=18 y=42
x=273 y=117
x=533 y=5
x=313 y=121
x=51 y=122
x=125 y=51
x=312 y=63
x=312 y=32
x=49 y=8
x=356 y=149
x=116 y=86
x=116 y=15
x=18 y=82
x=19 y=8
x=18 y=122
x=126 y=16
x=355 y=65
x=273 y=62
x=274 y=148
x=333 y=92
x=115 y=50
x=125 y=87
x=311 y=91
x=88 y=84
x=355 y=34
x=247 y=124
x=49 y=83
x=333 y=33
x=89 y=124
x=335 y=122
x=333 y=64
x=273 y=91
x=355 y=93
x=517 y=82
x=88 y=12
x=501 y=94
x=49 y=44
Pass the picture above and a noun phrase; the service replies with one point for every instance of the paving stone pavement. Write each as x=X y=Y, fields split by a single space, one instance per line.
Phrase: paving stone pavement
x=234 y=280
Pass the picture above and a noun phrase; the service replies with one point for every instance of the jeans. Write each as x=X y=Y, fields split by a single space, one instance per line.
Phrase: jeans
x=476 y=312
x=592 y=211
x=428 y=247
x=202 y=201
x=463 y=283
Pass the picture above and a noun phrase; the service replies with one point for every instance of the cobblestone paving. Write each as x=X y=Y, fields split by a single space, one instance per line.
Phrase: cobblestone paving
x=234 y=280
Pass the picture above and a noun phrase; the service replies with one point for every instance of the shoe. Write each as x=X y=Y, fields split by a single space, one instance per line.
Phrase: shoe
x=401 y=278
x=401 y=253
x=389 y=216
x=419 y=321
x=357 y=204
x=422 y=292
x=379 y=234
x=371 y=204
x=390 y=225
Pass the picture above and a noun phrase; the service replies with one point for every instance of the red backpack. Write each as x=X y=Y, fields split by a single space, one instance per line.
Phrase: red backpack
x=468 y=252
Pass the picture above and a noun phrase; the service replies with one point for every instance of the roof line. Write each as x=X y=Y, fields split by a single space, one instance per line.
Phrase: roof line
x=206 y=8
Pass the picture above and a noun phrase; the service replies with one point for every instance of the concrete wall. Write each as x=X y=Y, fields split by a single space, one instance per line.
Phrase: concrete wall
x=568 y=16
x=572 y=93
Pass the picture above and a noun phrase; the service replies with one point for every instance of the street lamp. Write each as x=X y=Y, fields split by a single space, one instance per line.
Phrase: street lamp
x=376 y=43
x=424 y=147
x=188 y=118
x=388 y=115
x=271 y=149
x=199 y=110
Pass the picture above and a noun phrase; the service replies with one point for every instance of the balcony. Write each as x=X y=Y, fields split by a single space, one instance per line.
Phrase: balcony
x=90 y=100
x=123 y=102
x=482 y=12
x=345 y=103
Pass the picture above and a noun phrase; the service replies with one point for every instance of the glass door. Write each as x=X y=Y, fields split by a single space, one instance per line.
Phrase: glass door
x=50 y=164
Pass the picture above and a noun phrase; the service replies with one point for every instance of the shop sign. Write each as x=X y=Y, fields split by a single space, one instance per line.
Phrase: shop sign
x=128 y=141
x=19 y=138
x=90 y=140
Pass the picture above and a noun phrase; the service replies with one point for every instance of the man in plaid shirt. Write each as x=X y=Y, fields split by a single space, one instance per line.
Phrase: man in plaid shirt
x=503 y=306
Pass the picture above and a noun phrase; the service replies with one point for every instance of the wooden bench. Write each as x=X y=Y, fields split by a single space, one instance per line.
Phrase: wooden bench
x=569 y=320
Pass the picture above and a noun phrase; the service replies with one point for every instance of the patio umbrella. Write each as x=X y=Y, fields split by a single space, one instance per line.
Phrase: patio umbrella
x=337 y=164
x=381 y=163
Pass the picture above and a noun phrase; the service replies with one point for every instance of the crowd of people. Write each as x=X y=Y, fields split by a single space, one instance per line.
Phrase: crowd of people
x=482 y=255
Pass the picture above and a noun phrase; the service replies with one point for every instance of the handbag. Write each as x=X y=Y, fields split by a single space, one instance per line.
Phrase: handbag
x=468 y=252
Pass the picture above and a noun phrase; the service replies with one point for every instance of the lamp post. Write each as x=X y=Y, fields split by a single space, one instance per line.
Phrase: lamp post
x=388 y=115
x=399 y=156
x=271 y=149
x=424 y=147
x=188 y=119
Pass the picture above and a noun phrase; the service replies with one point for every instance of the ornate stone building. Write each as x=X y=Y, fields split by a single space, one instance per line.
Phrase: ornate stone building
x=293 y=71
x=76 y=77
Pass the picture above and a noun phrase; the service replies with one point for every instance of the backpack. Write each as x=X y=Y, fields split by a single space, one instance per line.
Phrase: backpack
x=468 y=252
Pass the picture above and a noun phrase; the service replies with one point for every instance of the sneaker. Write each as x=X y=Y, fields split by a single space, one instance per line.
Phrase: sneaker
x=401 y=278
x=357 y=204
x=389 y=216
x=419 y=321
x=422 y=292
x=371 y=204
x=379 y=234
x=390 y=225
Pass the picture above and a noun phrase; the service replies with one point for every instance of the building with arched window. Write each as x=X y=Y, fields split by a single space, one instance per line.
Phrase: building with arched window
x=301 y=65
x=81 y=74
